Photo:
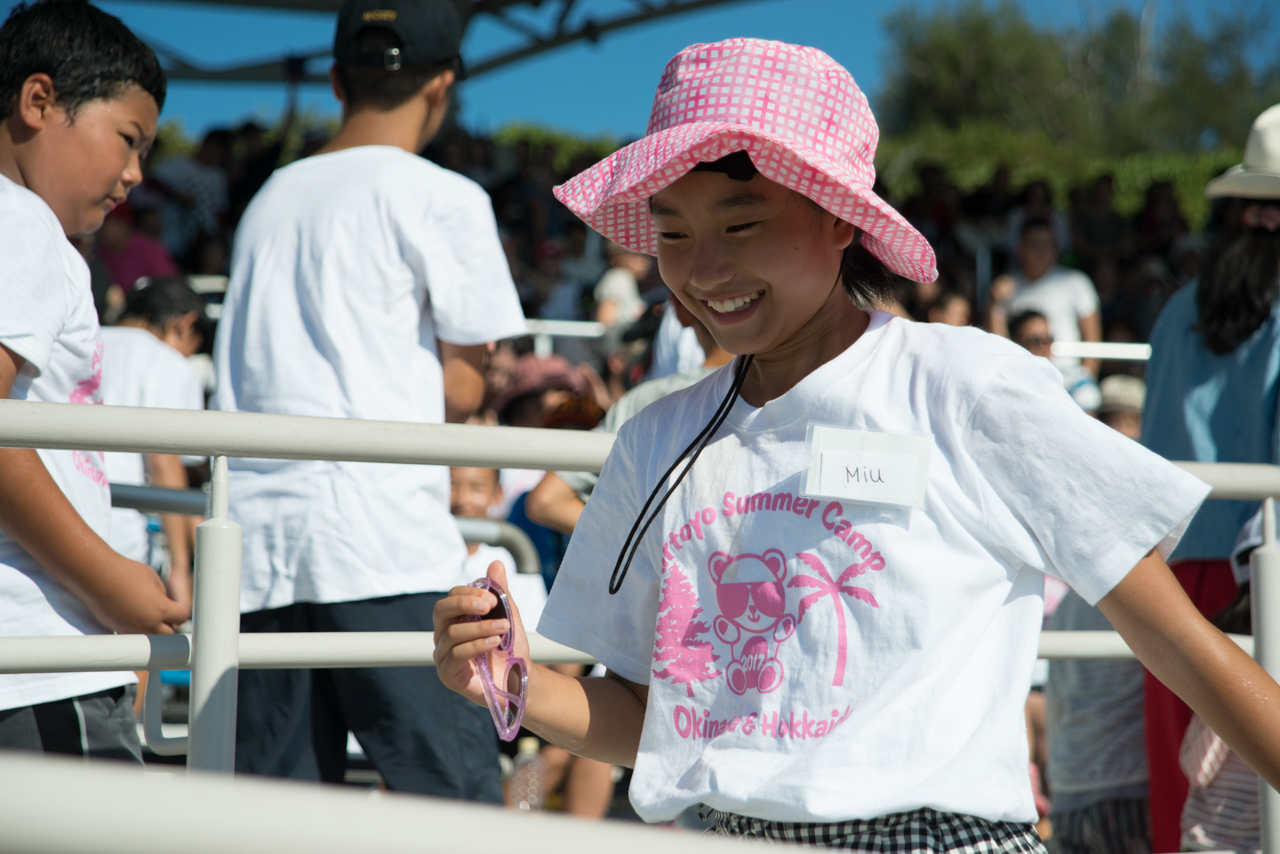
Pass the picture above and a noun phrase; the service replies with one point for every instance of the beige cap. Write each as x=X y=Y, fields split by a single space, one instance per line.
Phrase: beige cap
x=1258 y=177
x=1123 y=393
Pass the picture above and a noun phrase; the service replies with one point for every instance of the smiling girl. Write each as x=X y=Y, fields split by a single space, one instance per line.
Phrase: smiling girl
x=823 y=624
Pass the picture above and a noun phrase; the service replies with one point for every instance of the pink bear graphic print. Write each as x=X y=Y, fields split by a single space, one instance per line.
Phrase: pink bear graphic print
x=753 y=603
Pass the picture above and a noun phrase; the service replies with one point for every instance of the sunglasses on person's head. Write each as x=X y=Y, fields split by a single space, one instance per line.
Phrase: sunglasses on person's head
x=500 y=667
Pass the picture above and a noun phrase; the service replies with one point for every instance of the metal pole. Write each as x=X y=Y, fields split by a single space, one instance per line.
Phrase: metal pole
x=215 y=640
x=1264 y=575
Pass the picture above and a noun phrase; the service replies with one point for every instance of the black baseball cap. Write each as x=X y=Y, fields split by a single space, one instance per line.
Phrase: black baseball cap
x=430 y=31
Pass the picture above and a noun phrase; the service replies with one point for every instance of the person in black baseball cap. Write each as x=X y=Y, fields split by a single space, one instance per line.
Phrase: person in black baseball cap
x=366 y=282
x=394 y=57
x=429 y=31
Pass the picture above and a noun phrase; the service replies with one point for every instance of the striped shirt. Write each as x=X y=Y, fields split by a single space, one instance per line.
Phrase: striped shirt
x=1222 y=806
x=1094 y=718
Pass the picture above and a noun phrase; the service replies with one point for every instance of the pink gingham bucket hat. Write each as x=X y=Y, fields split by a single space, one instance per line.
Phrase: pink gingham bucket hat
x=796 y=112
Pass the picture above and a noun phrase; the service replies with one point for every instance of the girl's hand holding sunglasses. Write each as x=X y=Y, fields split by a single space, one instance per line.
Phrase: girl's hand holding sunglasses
x=481 y=649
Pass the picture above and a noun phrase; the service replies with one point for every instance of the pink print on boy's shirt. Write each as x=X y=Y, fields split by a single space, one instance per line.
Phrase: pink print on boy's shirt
x=740 y=632
x=89 y=390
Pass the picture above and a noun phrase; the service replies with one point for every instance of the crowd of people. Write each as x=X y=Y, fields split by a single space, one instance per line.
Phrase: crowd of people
x=367 y=281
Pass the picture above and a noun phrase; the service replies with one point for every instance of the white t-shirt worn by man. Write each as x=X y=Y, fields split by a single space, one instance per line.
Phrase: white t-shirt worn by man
x=818 y=660
x=141 y=370
x=1063 y=296
x=47 y=317
x=347 y=269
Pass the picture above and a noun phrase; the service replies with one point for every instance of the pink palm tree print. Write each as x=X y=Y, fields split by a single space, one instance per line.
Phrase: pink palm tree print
x=827 y=587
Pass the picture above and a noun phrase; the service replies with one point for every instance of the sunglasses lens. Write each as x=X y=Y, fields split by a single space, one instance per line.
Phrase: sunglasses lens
x=515 y=682
x=497 y=612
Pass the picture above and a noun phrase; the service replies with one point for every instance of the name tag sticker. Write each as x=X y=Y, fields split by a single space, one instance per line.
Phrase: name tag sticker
x=866 y=467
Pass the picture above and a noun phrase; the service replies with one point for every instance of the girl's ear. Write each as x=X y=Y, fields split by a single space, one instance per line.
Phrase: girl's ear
x=844 y=234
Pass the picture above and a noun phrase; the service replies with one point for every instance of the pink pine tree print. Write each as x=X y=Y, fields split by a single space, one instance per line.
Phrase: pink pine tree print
x=688 y=659
x=827 y=587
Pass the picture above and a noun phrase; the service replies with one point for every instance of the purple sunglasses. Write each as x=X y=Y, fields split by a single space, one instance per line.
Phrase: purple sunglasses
x=506 y=706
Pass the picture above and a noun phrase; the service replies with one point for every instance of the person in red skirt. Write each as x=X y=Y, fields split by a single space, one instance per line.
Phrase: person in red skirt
x=1212 y=386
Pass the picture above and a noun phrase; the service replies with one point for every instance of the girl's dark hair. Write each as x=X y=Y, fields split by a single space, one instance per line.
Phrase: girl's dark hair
x=377 y=87
x=159 y=302
x=1240 y=282
x=866 y=279
x=1237 y=618
x=89 y=54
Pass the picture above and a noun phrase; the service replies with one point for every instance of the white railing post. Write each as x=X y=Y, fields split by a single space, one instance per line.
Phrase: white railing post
x=215 y=640
x=1264 y=575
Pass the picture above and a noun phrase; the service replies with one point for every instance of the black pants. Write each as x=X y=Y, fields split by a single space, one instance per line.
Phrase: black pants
x=422 y=737
x=96 y=726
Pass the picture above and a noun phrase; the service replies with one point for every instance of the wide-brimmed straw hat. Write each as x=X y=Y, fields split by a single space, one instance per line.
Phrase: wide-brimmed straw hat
x=1258 y=177
x=795 y=111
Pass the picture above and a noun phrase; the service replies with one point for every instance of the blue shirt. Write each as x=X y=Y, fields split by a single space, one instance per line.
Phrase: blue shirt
x=1209 y=408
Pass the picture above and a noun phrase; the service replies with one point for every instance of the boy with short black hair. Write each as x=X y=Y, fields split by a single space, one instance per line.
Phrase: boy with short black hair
x=79 y=99
x=366 y=283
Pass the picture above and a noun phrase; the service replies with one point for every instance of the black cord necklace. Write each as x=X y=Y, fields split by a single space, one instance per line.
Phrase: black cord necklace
x=632 y=545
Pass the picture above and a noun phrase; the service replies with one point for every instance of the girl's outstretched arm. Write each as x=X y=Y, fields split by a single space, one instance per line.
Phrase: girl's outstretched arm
x=599 y=718
x=1227 y=688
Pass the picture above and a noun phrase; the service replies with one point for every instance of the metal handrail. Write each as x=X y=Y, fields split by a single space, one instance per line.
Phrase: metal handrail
x=545 y=330
x=195 y=502
x=1106 y=350
x=217 y=650
x=256 y=651
x=53 y=805
x=24 y=424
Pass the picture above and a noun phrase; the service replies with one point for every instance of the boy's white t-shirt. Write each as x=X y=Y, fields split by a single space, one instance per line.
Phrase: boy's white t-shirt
x=47 y=317
x=812 y=660
x=347 y=269
x=141 y=370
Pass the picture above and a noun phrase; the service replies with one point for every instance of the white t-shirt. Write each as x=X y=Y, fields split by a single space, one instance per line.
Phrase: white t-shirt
x=812 y=660
x=47 y=318
x=620 y=286
x=347 y=269
x=1063 y=296
x=675 y=348
x=141 y=370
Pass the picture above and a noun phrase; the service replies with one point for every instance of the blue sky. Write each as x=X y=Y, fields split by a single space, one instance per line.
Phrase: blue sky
x=601 y=88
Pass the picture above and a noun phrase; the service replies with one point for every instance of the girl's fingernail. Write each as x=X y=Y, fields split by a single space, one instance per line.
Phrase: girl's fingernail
x=492 y=641
x=502 y=625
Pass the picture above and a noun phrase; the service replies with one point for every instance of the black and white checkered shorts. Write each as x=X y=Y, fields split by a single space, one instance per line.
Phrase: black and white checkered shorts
x=922 y=831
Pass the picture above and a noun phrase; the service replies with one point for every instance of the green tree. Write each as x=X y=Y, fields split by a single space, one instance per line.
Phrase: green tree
x=1125 y=86
x=969 y=62
x=1208 y=93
